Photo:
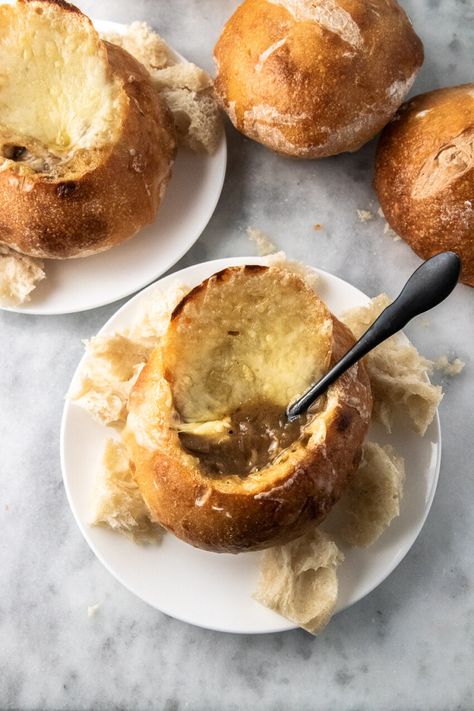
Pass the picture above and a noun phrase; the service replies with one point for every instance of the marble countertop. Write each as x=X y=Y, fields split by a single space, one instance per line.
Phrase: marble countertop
x=409 y=644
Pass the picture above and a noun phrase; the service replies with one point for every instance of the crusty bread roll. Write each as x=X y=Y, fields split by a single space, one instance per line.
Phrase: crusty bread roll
x=312 y=78
x=424 y=174
x=205 y=432
x=86 y=143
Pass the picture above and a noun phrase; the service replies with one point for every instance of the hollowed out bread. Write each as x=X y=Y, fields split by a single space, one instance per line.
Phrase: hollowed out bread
x=86 y=144
x=424 y=175
x=246 y=337
x=312 y=78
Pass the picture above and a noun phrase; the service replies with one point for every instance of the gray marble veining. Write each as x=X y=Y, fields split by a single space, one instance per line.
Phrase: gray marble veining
x=410 y=644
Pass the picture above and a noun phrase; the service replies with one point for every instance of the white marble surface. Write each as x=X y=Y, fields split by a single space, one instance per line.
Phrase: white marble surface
x=409 y=645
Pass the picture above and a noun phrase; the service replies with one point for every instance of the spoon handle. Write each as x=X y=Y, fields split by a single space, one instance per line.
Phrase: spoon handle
x=427 y=287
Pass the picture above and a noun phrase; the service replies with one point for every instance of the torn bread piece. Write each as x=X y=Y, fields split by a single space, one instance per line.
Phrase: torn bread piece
x=298 y=580
x=373 y=497
x=398 y=373
x=118 y=504
x=264 y=244
x=19 y=276
x=113 y=362
x=186 y=88
x=111 y=368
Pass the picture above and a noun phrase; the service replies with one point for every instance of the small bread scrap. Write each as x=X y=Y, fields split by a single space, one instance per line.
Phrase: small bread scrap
x=373 y=498
x=298 y=580
x=398 y=373
x=186 y=88
x=118 y=503
x=447 y=367
x=112 y=366
x=263 y=242
x=19 y=275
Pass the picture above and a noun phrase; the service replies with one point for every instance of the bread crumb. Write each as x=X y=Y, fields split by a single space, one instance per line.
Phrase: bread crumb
x=118 y=503
x=186 y=88
x=317 y=227
x=398 y=373
x=448 y=367
x=298 y=580
x=373 y=497
x=92 y=610
x=19 y=276
x=264 y=244
x=365 y=215
x=380 y=212
x=387 y=230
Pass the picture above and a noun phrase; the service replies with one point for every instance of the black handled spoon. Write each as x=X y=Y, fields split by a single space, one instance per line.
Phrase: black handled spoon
x=427 y=287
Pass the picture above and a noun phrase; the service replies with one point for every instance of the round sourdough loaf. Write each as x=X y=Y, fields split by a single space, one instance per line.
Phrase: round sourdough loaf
x=424 y=174
x=247 y=339
x=86 y=144
x=312 y=78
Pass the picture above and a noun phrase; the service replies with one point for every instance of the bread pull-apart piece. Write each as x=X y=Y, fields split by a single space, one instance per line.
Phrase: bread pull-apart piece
x=299 y=580
x=86 y=143
x=214 y=457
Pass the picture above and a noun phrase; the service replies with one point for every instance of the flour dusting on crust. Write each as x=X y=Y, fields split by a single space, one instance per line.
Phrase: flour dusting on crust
x=326 y=13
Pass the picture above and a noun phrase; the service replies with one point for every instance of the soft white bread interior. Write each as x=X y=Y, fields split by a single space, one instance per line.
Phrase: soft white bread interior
x=117 y=502
x=372 y=499
x=299 y=580
x=186 y=88
x=19 y=275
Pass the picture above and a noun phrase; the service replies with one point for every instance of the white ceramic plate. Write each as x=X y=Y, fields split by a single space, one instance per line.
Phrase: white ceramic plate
x=191 y=197
x=215 y=590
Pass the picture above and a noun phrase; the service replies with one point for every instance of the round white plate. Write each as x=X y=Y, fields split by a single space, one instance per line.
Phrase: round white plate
x=215 y=590
x=86 y=283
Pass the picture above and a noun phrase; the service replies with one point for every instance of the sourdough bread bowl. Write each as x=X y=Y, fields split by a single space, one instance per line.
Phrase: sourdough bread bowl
x=87 y=144
x=312 y=79
x=424 y=174
x=216 y=462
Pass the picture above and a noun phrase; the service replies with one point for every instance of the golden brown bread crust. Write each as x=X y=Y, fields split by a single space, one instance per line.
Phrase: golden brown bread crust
x=312 y=79
x=424 y=174
x=231 y=514
x=114 y=190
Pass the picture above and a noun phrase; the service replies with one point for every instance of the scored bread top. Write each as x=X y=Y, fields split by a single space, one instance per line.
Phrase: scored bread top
x=312 y=79
x=424 y=175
